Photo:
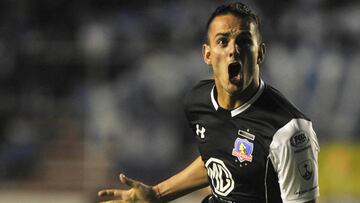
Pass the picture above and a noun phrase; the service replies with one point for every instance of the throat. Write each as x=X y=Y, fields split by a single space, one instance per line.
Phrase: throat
x=230 y=101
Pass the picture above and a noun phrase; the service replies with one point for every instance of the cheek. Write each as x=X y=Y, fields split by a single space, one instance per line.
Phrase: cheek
x=218 y=58
x=218 y=54
x=251 y=57
x=254 y=50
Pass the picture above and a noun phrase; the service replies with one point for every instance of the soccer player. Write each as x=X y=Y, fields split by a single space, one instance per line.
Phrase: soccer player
x=255 y=146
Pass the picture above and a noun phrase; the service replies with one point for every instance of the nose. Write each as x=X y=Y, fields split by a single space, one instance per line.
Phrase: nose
x=234 y=50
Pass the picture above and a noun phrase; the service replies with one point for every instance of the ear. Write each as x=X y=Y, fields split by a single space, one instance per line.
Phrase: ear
x=261 y=53
x=206 y=54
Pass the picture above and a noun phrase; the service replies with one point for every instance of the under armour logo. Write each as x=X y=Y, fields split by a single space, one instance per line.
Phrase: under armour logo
x=200 y=132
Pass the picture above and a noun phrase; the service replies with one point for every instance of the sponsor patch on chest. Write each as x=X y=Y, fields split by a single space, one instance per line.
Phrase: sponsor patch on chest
x=220 y=176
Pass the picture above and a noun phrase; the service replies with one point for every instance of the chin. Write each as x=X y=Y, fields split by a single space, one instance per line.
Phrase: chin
x=236 y=88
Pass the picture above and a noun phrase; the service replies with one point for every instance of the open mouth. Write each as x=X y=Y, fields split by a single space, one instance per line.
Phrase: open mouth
x=234 y=72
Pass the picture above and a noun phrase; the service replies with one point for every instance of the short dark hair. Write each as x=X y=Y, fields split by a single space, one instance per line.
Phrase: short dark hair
x=238 y=9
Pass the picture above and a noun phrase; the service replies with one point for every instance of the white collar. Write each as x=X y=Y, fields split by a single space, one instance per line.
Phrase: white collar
x=244 y=106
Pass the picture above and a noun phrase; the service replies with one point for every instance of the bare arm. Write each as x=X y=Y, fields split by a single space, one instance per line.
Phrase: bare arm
x=188 y=180
x=192 y=178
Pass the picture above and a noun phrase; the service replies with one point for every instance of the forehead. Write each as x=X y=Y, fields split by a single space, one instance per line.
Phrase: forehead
x=231 y=24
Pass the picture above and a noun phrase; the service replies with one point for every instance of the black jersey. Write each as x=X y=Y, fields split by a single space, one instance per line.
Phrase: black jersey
x=264 y=151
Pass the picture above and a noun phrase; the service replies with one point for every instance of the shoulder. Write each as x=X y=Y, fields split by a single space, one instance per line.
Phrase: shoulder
x=292 y=123
x=293 y=150
x=202 y=86
x=275 y=102
x=199 y=94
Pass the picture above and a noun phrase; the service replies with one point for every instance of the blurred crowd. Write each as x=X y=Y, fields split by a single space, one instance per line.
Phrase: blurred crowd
x=114 y=74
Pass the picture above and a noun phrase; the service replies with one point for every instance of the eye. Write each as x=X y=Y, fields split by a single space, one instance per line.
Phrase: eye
x=222 y=41
x=244 y=42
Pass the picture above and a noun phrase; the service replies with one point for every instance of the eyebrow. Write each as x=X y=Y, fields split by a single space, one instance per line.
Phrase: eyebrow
x=244 y=33
x=222 y=34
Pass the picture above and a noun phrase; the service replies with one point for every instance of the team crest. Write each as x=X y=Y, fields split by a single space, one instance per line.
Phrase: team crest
x=243 y=150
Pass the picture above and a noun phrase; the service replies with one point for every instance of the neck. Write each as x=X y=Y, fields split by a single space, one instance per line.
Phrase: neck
x=234 y=100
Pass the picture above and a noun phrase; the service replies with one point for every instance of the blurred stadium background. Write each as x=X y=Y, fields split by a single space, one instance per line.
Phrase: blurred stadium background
x=90 y=89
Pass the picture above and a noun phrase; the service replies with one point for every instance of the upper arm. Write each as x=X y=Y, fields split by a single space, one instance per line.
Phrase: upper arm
x=311 y=201
x=294 y=155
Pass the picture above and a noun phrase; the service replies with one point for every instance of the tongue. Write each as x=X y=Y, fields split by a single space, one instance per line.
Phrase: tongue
x=235 y=78
x=234 y=72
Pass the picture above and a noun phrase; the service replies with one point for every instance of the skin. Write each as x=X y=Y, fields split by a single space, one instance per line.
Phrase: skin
x=231 y=39
x=234 y=39
x=190 y=179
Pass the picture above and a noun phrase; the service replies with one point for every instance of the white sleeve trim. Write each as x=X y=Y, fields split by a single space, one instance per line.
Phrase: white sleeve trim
x=294 y=155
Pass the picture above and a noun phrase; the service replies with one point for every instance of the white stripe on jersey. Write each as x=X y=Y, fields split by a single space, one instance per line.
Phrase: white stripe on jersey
x=244 y=106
